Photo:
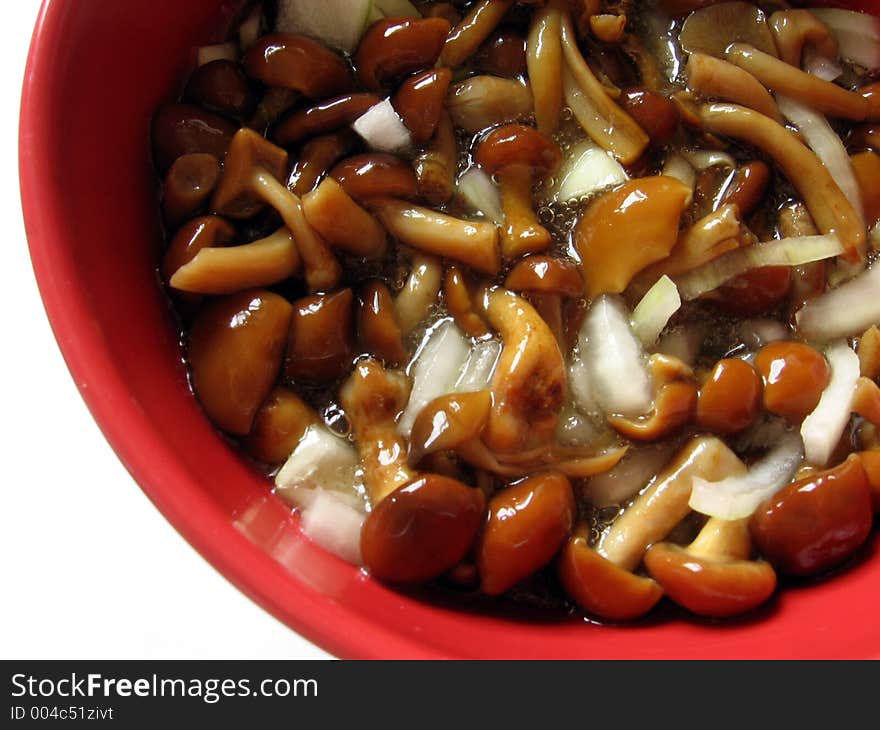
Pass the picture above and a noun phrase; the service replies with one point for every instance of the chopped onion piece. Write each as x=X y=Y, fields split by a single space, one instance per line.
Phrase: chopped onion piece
x=704 y=159
x=858 y=35
x=655 y=310
x=588 y=169
x=614 y=359
x=397 y=9
x=334 y=523
x=820 y=66
x=737 y=497
x=435 y=368
x=627 y=478
x=382 y=129
x=320 y=459
x=480 y=194
x=218 y=52
x=337 y=23
x=479 y=367
x=755 y=333
x=848 y=310
x=823 y=140
x=793 y=251
x=822 y=429
x=579 y=384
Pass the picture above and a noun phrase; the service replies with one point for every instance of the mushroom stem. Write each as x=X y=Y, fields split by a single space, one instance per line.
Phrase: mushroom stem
x=529 y=384
x=465 y=38
x=472 y=243
x=607 y=124
x=342 y=222
x=372 y=397
x=544 y=61
x=795 y=29
x=522 y=233
x=664 y=504
x=322 y=270
x=723 y=538
x=419 y=293
x=229 y=269
x=829 y=207
x=437 y=165
x=713 y=78
x=821 y=95
x=316 y=157
x=460 y=303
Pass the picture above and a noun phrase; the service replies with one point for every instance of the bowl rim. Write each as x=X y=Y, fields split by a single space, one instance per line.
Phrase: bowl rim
x=171 y=488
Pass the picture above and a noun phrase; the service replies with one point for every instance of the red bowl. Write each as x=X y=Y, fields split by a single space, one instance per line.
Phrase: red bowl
x=96 y=72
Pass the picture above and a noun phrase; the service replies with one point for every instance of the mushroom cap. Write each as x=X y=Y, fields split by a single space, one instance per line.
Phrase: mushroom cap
x=326 y=116
x=248 y=153
x=320 y=347
x=376 y=174
x=710 y=586
x=518 y=144
x=447 y=422
x=528 y=522
x=291 y=61
x=422 y=529
x=602 y=588
x=194 y=235
x=547 y=275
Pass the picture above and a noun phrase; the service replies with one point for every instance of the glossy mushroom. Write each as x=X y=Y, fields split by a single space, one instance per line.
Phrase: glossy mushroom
x=377 y=326
x=316 y=158
x=459 y=299
x=465 y=38
x=436 y=166
x=483 y=101
x=518 y=156
x=796 y=29
x=188 y=186
x=730 y=398
x=341 y=222
x=320 y=348
x=182 y=129
x=794 y=376
x=713 y=576
x=222 y=86
x=544 y=61
x=376 y=175
x=420 y=101
x=419 y=293
x=328 y=115
x=715 y=78
x=207 y=231
x=279 y=425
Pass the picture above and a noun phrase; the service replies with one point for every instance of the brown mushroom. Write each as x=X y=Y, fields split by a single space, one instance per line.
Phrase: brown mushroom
x=664 y=504
x=291 y=61
x=341 y=222
x=188 y=185
x=420 y=101
x=816 y=522
x=459 y=301
x=376 y=175
x=316 y=157
x=236 y=348
x=599 y=586
x=473 y=243
x=447 y=422
x=869 y=353
x=321 y=343
x=207 y=231
x=502 y=54
x=182 y=129
x=527 y=524
x=420 y=526
x=794 y=375
x=250 y=180
x=483 y=101
x=466 y=37
x=715 y=78
x=419 y=293
x=830 y=209
x=712 y=29
x=653 y=112
x=871 y=465
x=325 y=116
x=544 y=61
x=730 y=399
x=529 y=384
x=377 y=327
x=674 y=406
x=866 y=400
x=394 y=47
x=437 y=165
x=795 y=29
x=518 y=156
x=713 y=576
x=746 y=187
x=278 y=426
x=823 y=96
x=228 y=269
x=222 y=86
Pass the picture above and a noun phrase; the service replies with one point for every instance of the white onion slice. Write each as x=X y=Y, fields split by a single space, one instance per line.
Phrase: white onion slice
x=858 y=35
x=382 y=129
x=737 y=497
x=820 y=66
x=704 y=159
x=320 y=459
x=679 y=168
x=434 y=369
x=848 y=310
x=479 y=367
x=582 y=393
x=823 y=140
x=480 y=194
x=218 y=52
x=627 y=478
x=614 y=360
x=336 y=23
x=793 y=251
x=587 y=170
x=822 y=429
x=335 y=524
x=655 y=310
x=755 y=333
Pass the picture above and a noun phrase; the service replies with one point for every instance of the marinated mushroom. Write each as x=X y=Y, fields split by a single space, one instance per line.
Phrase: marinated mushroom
x=323 y=117
x=518 y=157
x=420 y=101
x=466 y=37
x=480 y=102
x=279 y=425
x=320 y=348
x=459 y=300
x=208 y=231
x=188 y=186
x=795 y=29
x=183 y=129
x=377 y=326
x=316 y=158
x=437 y=166
x=341 y=222
x=544 y=61
x=376 y=175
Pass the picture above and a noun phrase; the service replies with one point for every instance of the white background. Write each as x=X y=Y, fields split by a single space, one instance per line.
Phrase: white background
x=88 y=568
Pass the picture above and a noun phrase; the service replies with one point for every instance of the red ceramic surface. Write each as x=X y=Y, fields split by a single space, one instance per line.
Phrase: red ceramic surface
x=96 y=72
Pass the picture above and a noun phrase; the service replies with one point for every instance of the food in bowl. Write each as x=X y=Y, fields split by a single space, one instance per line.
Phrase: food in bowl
x=570 y=303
